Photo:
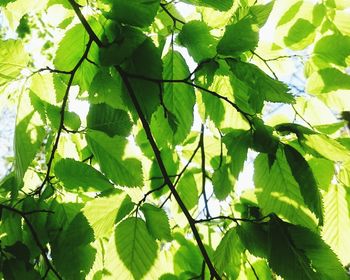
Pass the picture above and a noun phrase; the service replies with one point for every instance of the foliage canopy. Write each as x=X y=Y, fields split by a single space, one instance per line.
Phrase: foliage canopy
x=147 y=184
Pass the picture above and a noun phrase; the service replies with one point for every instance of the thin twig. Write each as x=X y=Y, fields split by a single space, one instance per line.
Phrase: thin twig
x=207 y=214
x=231 y=219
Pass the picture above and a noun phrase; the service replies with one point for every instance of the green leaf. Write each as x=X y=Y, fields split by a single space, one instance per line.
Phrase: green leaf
x=223 y=182
x=178 y=98
x=271 y=89
x=202 y=46
x=10 y=225
x=328 y=79
x=254 y=237
x=77 y=175
x=337 y=222
x=13 y=59
x=77 y=237
x=237 y=143
x=5 y=2
x=138 y=12
x=323 y=259
x=293 y=264
x=53 y=113
x=290 y=13
x=15 y=269
x=261 y=13
x=126 y=43
x=333 y=49
x=187 y=258
x=218 y=81
x=222 y=5
x=108 y=89
x=327 y=147
x=112 y=121
x=239 y=37
x=305 y=254
x=171 y=163
x=135 y=246
x=302 y=173
x=278 y=192
x=187 y=189
x=29 y=134
x=157 y=222
x=263 y=139
x=75 y=41
x=323 y=171
x=108 y=152
x=300 y=35
x=146 y=62
x=228 y=253
x=101 y=213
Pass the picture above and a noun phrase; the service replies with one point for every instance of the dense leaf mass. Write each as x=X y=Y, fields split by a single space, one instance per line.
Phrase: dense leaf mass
x=188 y=139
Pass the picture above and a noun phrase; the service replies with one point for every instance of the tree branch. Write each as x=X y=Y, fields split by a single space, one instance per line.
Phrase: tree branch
x=93 y=36
x=164 y=172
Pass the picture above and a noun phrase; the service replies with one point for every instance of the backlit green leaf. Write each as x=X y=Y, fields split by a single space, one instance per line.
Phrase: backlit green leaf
x=333 y=49
x=223 y=182
x=101 y=213
x=76 y=175
x=108 y=152
x=228 y=253
x=126 y=43
x=187 y=189
x=237 y=143
x=290 y=13
x=302 y=173
x=178 y=98
x=156 y=221
x=138 y=13
x=146 y=62
x=300 y=35
x=239 y=37
x=202 y=46
x=112 y=121
x=13 y=59
x=337 y=222
x=223 y=5
x=135 y=246
x=278 y=192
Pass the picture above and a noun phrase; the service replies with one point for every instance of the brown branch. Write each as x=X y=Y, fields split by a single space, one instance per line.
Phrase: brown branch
x=35 y=237
x=190 y=83
x=164 y=172
x=93 y=36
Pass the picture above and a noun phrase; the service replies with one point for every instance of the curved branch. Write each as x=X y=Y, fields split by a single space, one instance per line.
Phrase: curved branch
x=164 y=172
